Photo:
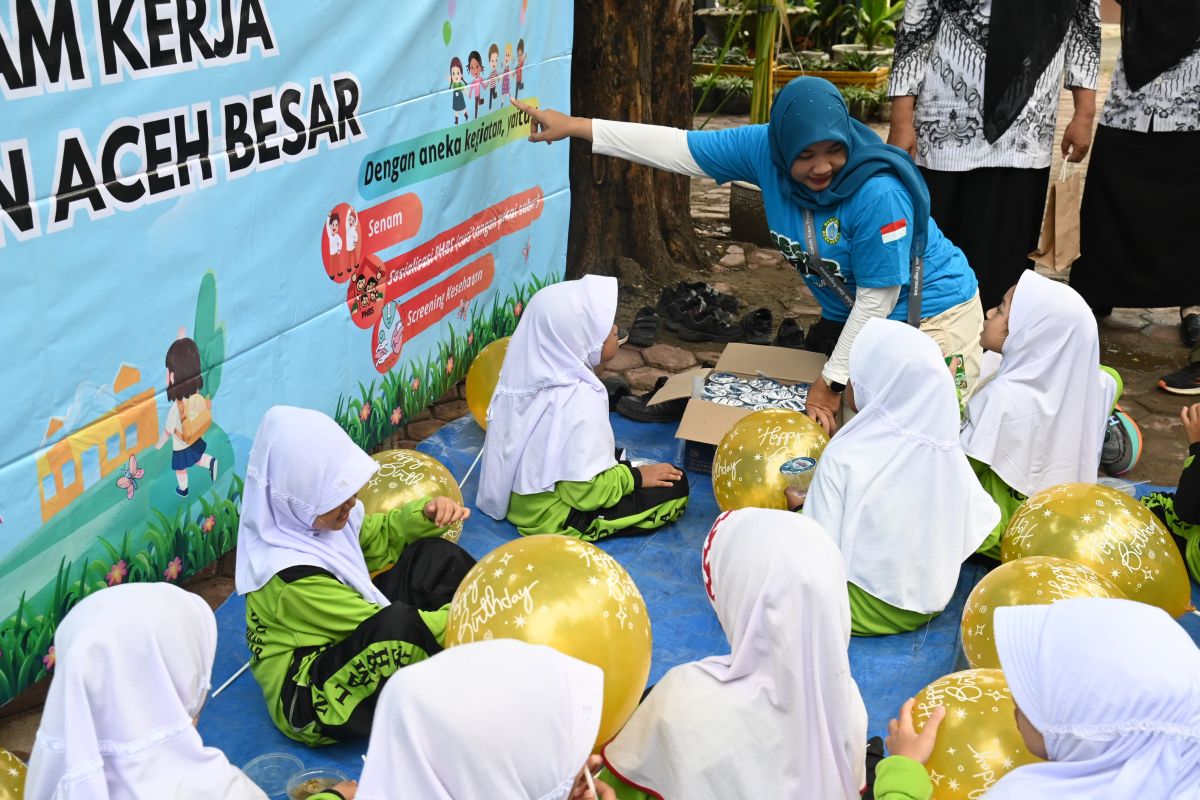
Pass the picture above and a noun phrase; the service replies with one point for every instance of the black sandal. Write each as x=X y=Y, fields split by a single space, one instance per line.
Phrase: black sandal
x=644 y=331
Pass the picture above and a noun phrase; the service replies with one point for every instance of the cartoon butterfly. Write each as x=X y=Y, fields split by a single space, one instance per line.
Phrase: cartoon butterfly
x=130 y=476
x=525 y=251
x=462 y=310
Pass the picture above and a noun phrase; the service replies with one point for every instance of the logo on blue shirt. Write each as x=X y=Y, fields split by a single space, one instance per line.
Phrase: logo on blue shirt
x=831 y=230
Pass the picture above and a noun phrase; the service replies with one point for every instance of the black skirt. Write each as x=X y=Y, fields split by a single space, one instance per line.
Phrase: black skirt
x=1139 y=221
x=994 y=215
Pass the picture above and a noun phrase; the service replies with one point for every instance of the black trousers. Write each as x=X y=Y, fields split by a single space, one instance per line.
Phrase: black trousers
x=994 y=215
x=345 y=679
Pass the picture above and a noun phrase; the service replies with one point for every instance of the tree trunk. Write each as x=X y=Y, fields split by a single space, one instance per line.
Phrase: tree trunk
x=632 y=62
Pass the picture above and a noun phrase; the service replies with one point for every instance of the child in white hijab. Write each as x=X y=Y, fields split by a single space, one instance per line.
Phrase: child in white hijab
x=894 y=489
x=133 y=669
x=779 y=716
x=325 y=636
x=495 y=719
x=549 y=461
x=1039 y=420
x=1107 y=690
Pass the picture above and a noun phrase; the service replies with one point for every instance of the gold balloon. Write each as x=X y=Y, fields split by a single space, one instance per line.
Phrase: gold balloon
x=407 y=475
x=569 y=595
x=12 y=776
x=1033 y=581
x=978 y=742
x=1108 y=531
x=763 y=454
x=482 y=378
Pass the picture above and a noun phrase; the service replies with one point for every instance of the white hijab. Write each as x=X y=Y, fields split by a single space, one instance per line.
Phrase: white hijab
x=780 y=716
x=133 y=670
x=894 y=488
x=302 y=465
x=548 y=420
x=1039 y=421
x=501 y=719
x=1114 y=687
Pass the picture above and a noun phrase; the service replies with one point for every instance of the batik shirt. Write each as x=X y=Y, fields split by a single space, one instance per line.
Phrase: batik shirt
x=941 y=48
x=1170 y=102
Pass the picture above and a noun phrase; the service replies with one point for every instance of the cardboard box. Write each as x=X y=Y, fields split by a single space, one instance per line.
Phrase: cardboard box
x=705 y=423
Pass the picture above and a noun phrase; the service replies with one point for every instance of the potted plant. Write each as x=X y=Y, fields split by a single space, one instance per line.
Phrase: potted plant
x=874 y=23
x=861 y=101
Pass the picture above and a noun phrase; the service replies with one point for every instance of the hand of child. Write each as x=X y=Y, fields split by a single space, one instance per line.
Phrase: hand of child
x=655 y=475
x=443 y=511
x=795 y=498
x=1191 y=422
x=822 y=405
x=347 y=789
x=903 y=739
x=580 y=790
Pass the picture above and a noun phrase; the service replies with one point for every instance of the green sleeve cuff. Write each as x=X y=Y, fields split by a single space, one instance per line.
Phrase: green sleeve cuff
x=901 y=778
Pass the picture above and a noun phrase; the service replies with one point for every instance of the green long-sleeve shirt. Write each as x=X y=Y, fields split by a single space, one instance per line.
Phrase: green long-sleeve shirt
x=901 y=778
x=319 y=610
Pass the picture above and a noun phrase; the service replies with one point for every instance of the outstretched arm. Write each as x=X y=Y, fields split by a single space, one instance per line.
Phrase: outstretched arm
x=655 y=146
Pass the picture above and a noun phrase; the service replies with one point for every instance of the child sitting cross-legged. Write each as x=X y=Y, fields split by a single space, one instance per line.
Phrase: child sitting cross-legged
x=894 y=488
x=1039 y=420
x=1107 y=691
x=324 y=635
x=549 y=461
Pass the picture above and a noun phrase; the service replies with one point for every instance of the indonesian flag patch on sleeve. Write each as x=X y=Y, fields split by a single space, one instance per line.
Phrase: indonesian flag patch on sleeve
x=894 y=231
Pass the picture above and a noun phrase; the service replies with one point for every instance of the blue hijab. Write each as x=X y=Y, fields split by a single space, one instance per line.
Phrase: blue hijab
x=810 y=110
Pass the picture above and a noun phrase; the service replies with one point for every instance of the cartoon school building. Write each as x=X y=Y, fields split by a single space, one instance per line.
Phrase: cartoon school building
x=79 y=460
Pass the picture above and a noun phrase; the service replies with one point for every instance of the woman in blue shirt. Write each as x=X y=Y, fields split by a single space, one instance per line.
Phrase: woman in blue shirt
x=848 y=211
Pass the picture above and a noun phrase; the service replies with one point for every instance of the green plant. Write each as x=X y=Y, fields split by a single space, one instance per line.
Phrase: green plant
x=822 y=28
x=209 y=335
x=874 y=21
x=862 y=101
x=861 y=61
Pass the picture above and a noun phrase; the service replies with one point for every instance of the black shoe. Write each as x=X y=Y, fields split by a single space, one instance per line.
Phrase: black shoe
x=1183 y=381
x=1189 y=330
x=618 y=388
x=791 y=334
x=678 y=307
x=645 y=328
x=711 y=296
x=622 y=336
x=635 y=408
x=710 y=325
x=1122 y=444
x=757 y=326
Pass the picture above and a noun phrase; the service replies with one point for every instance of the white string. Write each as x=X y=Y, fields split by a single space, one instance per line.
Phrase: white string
x=470 y=469
x=232 y=678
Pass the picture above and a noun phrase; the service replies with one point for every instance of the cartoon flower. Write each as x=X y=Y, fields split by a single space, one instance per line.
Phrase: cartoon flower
x=208 y=524
x=470 y=338
x=517 y=309
x=364 y=413
x=116 y=575
x=173 y=569
x=48 y=659
x=416 y=384
x=450 y=365
x=397 y=415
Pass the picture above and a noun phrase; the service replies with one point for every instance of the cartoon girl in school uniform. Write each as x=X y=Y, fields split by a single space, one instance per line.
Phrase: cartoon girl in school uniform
x=457 y=84
x=188 y=415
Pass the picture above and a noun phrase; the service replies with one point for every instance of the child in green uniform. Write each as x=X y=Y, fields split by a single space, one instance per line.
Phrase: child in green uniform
x=1107 y=691
x=1039 y=420
x=494 y=720
x=1180 y=511
x=324 y=636
x=779 y=715
x=549 y=462
x=894 y=489
x=134 y=666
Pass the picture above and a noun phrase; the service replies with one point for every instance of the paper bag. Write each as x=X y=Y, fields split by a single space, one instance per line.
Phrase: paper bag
x=1058 y=244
